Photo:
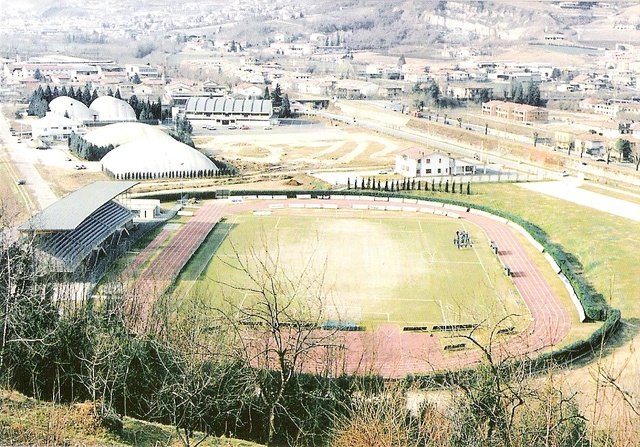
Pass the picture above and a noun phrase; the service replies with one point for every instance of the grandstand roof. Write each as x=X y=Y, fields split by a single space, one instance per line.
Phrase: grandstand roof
x=69 y=212
x=228 y=105
x=67 y=249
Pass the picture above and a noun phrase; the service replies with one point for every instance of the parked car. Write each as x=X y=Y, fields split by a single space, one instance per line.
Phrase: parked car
x=232 y=127
x=268 y=128
x=245 y=127
x=21 y=182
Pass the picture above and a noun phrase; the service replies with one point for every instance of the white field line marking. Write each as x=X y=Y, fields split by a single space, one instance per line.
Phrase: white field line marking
x=277 y=223
x=420 y=226
x=480 y=260
x=444 y=318
x=385 y=314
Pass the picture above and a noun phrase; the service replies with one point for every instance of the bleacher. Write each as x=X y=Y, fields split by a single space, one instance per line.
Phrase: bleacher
x=71 y=247
x=77 y=226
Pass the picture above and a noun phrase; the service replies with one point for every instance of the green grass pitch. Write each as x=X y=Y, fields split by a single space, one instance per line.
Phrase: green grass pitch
x=379 y=267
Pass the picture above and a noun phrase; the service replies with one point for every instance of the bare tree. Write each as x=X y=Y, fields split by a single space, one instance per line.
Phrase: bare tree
x=277 y=328
x=635 y=154
x=28 y=313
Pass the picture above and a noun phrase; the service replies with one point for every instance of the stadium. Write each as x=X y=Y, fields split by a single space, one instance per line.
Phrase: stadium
x=410 y=294
x=402 y=293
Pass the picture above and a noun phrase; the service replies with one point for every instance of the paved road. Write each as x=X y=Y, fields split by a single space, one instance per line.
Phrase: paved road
x=24 y=162
x=570 y=190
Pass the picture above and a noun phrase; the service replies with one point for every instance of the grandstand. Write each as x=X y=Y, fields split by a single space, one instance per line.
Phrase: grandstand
x=78 y=229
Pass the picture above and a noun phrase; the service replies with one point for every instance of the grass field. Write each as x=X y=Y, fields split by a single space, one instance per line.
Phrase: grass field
x=378 y=267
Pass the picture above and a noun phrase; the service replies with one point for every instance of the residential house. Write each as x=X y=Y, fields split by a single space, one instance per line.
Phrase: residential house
x=143 y=71
x=590 y=143
x=418 y=162
x=469 y=91
x=355 y=89
x=523 y=113
x=249 y=90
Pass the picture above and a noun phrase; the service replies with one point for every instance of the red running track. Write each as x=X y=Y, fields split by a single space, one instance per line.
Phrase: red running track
x=162 y=271
x=387 y=350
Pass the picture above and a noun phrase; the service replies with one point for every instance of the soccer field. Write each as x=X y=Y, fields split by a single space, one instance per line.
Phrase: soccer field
x=378 y=267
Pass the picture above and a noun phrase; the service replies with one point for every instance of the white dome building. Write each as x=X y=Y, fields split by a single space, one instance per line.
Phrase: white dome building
x=72 y=108
x=122 y=133
x=156 y=157
x=109 y=108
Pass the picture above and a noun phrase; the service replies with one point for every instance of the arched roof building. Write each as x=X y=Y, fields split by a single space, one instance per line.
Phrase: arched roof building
x=72 y=108
x=122 y=133
x=109 y=108
x=156 y=157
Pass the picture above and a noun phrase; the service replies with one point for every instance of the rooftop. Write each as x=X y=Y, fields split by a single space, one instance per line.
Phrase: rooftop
x=69 y=212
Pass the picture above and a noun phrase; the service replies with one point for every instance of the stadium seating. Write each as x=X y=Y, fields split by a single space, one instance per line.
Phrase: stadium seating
x=71 y=247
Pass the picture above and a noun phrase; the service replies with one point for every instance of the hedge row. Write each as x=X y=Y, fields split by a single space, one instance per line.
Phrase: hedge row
x=595 y=307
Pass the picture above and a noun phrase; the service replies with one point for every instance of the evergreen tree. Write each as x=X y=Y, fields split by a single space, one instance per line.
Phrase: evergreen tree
x=518 y=94
x=63 y=91
x=37 y=104
x=78 y=96
x=468 y=188
x=156 y=109
x=266 y=94
x=48 y=94
x=55 y=93
x=135 y=105
x=446 y=186
x=136 y=79
x=109 y=92
x=117 y=95
x=276 y=96
x=37 y=75
x=71 y=93
x=285 y=109
x=145 y=113
x=94 y=95
x=386 y=185
x=86 y=96
x=533 y=95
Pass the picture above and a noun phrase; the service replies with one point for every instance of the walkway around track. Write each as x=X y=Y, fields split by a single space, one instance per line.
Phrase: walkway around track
x=386 y=350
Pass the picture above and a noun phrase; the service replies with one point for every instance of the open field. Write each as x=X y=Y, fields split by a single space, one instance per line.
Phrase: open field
x=403 y=271
x=312 y=147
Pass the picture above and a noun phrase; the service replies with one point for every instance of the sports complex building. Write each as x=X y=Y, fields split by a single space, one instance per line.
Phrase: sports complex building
x=78 y=231
x=229 y=111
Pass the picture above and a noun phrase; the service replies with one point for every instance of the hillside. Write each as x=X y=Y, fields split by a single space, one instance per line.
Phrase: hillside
x=27 y=421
